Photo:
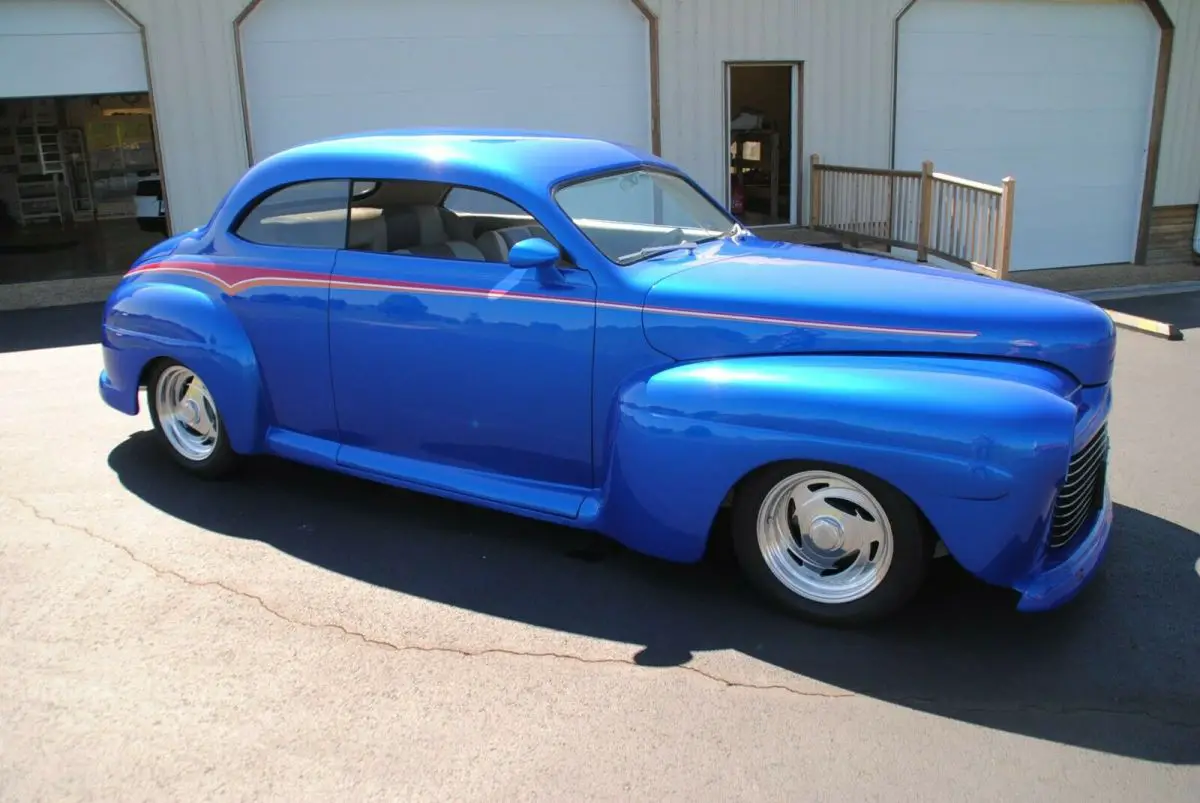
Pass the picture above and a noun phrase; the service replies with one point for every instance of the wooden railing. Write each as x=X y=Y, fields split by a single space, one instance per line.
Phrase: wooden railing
x=934 y=214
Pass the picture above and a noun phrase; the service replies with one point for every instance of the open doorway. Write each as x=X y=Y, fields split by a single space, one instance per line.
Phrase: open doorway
x=80 y=188
x=763 y=133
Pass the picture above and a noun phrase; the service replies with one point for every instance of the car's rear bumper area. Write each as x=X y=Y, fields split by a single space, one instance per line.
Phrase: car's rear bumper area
x=1060 y=582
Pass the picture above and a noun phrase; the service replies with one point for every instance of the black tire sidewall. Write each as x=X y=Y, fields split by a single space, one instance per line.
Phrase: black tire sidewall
x=222 y=459
x=912 y=548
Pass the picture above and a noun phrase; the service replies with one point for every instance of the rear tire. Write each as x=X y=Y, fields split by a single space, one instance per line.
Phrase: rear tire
x=830 y=544
x=187 y=423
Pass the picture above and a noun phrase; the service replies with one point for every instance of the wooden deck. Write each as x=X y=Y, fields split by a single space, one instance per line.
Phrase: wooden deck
x=1086 y=277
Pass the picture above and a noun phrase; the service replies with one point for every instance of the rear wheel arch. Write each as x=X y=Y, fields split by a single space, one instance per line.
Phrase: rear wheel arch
x=200 y=445
x=237 y=389
x=149 y=370
x=166 y=321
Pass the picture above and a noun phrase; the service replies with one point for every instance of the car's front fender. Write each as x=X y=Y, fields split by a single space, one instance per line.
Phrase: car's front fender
x=961 y=437
x=146 y=320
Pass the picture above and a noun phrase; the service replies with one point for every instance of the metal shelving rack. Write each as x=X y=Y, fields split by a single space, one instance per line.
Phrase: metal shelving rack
x=39 y=172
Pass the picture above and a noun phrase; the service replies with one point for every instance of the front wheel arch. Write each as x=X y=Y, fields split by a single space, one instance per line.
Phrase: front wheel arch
x=731 y=495
x=912 y=538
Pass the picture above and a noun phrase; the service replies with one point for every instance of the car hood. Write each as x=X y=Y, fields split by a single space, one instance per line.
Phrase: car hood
x=763 y=297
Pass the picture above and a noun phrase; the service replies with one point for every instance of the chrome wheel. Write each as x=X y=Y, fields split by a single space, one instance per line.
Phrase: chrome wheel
x=186 y=413
x=825 y=537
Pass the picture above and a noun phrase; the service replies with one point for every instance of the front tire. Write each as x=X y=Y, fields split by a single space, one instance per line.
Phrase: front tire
x=187 y=422
x=830 y=544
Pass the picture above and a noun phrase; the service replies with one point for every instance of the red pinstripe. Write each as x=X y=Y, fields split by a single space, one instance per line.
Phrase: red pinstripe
x=232 y=279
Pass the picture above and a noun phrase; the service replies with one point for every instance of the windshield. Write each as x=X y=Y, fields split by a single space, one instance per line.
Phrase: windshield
x=636 y=214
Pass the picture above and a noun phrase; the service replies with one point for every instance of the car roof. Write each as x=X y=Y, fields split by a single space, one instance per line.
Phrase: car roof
x=517 y=163
x=548 y=157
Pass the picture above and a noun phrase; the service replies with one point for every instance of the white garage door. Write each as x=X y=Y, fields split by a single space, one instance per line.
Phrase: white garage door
x=1056 y=94
x=68 y=47
x=315 y=68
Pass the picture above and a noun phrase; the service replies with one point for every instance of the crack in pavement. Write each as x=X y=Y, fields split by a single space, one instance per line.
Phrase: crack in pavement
x=920 y=703
x=387 y=645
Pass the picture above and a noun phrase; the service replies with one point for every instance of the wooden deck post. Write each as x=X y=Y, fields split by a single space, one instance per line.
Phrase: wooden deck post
x=925 y=219
x=1004 y=228
x=814 y=202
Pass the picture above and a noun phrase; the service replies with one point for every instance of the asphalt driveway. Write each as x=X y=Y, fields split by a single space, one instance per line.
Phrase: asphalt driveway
x=1181 y=309
x=295 y=635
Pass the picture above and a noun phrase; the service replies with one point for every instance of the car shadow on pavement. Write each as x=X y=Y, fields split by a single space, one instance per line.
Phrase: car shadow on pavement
x=49 y=328
x=1115 y=671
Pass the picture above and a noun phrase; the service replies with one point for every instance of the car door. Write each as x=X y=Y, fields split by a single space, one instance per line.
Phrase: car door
x=279 y=257
x=443 y=353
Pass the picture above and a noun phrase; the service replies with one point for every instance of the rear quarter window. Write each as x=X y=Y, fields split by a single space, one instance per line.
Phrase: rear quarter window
x=311 y=214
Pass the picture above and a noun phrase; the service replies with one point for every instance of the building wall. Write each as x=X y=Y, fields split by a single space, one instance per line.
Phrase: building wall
x=846 y=46
x=1179 y=165
x=197 y=100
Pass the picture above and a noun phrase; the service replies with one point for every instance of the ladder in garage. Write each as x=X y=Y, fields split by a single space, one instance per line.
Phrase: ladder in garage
x=40 y=170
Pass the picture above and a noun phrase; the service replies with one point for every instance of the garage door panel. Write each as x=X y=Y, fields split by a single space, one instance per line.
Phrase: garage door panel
x=68 y=47
x=1057 y=95
x=316 y=69
x=312 y=20
x=1030 y=131
x=1055 y=18
x=1044 y=170
x=999 y=91
x=1064 y=227
x=436 y=109
x=512 y=66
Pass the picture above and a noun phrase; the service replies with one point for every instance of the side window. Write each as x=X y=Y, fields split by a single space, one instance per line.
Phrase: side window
x=311 y=214
x=361 y=190
x=467 y=201
x=436 y=220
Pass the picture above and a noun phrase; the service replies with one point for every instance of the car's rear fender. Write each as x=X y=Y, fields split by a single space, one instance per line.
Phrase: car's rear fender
x=978 y=445
x=146 y=320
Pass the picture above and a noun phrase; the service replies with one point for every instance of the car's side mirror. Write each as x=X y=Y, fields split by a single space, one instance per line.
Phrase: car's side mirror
x=536 y=253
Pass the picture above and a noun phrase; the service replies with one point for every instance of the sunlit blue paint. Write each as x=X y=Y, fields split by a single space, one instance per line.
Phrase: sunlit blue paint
x=627 y=400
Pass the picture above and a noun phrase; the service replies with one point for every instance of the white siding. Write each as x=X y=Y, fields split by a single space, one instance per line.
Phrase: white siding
x=197 y=101
x=1179 y=162
x=847 y=47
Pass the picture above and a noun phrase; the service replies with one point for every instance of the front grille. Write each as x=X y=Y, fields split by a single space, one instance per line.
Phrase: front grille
x=1082 y=493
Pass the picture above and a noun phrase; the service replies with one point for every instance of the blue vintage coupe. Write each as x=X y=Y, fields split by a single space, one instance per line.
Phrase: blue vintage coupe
x=572 y=330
